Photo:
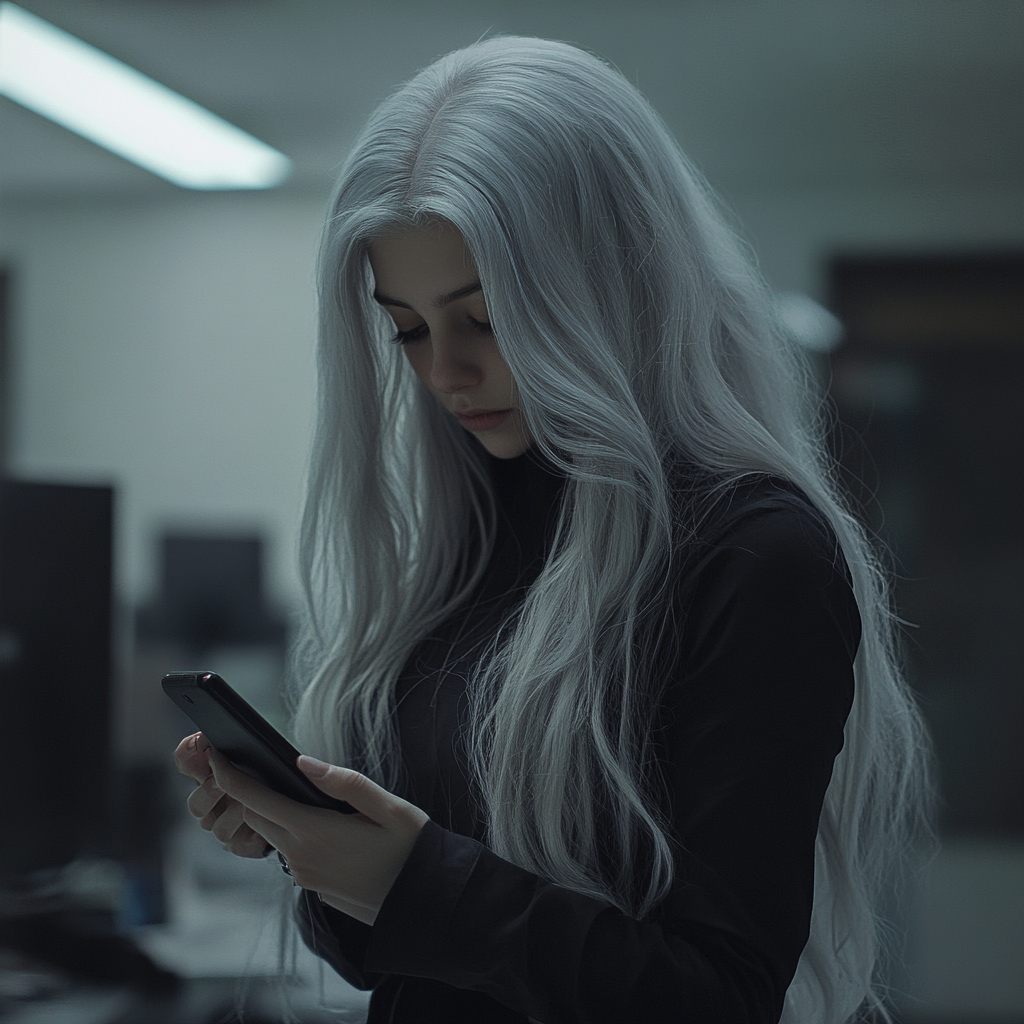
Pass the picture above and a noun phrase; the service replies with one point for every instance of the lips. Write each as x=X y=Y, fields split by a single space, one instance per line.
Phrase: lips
x=480 y=419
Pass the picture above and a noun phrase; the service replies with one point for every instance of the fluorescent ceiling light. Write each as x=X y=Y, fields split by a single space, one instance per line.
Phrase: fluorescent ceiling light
x=88 y=91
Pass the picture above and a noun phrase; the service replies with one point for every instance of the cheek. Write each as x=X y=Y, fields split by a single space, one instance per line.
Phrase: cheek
x=508 y=382
x=499 y=373
x=420 y=360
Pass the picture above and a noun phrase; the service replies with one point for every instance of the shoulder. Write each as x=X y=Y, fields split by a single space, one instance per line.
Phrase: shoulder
x=765 y=554
x=773 y=520
x=765 y=518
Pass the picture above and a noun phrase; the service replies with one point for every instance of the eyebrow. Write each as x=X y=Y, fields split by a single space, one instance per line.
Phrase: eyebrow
x=445 y=299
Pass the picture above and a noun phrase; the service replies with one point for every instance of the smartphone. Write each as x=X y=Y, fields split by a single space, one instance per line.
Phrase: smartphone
x=244 y=736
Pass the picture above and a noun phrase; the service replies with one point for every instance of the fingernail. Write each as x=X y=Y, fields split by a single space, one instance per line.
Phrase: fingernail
x=313 y=765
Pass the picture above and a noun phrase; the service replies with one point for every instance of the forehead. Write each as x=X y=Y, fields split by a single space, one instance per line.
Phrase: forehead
x=408 y=256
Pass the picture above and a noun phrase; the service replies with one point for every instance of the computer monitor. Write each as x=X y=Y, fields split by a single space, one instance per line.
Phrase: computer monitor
x=211 y=595
x=55 y=674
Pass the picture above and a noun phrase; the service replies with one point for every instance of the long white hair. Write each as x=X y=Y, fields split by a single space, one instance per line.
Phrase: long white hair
x=639 y=332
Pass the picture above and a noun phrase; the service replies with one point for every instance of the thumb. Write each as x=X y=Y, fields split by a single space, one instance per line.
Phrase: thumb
x=345 y=784
x=192 y=757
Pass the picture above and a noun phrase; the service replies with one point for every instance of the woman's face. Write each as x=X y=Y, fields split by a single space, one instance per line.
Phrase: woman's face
x=428 y=284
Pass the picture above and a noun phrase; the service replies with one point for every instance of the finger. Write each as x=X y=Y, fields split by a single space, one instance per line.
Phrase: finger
x=191 y=757
x=204 y=798
x=362 y=793
x=246 y=843
x=279 y=809
x=209 y=819
x=243 y=841
x=278 y=837
x=229 y=822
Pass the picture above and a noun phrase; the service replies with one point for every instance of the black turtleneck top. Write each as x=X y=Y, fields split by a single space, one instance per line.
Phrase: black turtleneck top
x=750 y=719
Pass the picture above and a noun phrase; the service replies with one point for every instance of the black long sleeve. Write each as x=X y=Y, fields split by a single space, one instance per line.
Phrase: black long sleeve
x=766 y=629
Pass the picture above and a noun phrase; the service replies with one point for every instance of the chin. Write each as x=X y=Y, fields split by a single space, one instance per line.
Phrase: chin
x=509 y=447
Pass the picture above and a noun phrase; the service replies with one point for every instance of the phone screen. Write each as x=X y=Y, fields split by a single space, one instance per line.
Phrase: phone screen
x=244 y=736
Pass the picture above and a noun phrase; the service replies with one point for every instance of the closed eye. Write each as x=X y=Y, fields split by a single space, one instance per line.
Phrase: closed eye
x=419 y=333
x=407 y=337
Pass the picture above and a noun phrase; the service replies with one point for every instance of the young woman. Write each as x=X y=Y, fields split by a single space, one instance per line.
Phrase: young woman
x=595 y=646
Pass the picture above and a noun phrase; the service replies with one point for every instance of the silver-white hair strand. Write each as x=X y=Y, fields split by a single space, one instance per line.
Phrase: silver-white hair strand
x=638 y=331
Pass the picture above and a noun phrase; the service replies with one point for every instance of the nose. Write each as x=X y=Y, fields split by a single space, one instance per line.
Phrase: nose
x=454 y=366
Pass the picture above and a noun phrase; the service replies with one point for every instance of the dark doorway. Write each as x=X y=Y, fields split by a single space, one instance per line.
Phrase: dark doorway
x=5 y=364
x=929 y=387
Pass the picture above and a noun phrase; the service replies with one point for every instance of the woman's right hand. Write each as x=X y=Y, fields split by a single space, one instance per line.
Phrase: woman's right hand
x=217 y=812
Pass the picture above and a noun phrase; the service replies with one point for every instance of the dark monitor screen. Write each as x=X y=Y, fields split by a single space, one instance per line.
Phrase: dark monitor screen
x=55 y=673
x=212 y=595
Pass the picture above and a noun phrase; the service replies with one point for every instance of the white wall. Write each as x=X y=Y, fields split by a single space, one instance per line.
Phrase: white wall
x=168 y=348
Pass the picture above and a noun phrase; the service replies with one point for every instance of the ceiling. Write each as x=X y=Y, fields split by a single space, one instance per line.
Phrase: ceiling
x=765 y=95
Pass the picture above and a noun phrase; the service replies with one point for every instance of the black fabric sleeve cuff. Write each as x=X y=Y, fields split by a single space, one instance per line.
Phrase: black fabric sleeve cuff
x=336 y=938
x=409 y=932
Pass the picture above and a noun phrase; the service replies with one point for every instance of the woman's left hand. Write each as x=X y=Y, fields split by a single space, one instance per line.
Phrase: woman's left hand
x=351 y=860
